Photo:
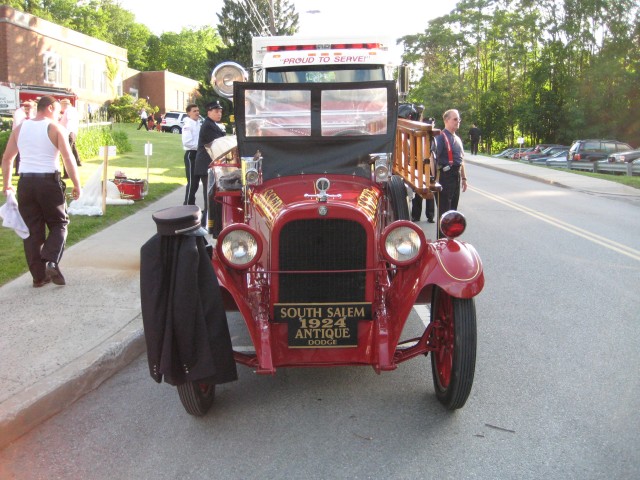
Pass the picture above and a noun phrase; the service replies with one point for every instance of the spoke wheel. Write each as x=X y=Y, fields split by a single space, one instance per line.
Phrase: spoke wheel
x=454 y=336
x=196 y=398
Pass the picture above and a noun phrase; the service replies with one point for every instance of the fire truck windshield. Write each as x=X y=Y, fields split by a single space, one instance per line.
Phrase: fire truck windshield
x=325 y=74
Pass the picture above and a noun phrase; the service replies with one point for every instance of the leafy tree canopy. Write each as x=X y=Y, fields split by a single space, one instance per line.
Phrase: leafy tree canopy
x=549 y=70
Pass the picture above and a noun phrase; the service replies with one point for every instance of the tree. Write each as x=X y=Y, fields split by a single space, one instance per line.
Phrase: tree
x=112 y=68
x=547 y=70
x=240 y=20
x=184 y=53
x=126 y=108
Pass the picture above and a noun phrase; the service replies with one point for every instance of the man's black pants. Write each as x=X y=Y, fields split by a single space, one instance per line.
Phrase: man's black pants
x=448 y=198
x=42 y=205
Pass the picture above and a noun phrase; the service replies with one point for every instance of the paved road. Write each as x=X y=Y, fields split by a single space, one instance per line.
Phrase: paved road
x=556 y=392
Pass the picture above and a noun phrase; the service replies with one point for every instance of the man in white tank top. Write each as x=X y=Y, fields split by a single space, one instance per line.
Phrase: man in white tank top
x=41 y=192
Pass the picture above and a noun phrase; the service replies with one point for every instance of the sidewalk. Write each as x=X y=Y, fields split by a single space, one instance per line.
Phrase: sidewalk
x=59 y=343
x=567 y=179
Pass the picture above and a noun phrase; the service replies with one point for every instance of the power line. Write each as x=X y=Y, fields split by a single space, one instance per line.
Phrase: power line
x=263 y=24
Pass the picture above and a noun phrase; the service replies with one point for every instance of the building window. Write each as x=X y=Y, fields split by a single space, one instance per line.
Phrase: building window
x=180 y=100
x=133 y=92
x=100 y=81
x=77 y=69
x=52 y=70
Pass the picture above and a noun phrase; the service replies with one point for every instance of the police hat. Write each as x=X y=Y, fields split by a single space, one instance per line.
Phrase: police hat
x=213 y=106
x=182 y=220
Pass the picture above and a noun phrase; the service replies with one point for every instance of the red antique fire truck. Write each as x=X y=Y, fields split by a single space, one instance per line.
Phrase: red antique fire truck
x=317 y=251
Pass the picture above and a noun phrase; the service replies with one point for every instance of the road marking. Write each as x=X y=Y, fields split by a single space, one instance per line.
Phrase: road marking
x=424 y=312
x=245 y=349
x=590 y=236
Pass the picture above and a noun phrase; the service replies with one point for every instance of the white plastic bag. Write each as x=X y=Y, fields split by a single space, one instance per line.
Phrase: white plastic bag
x=11 y=216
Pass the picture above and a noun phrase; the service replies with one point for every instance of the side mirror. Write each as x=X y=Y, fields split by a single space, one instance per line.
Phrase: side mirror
x=224 y=75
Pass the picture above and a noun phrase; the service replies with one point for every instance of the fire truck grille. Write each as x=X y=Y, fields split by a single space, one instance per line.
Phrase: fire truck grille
x=322 y=245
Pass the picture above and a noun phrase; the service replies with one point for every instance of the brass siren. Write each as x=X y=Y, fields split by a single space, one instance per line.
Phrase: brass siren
x=224 y=75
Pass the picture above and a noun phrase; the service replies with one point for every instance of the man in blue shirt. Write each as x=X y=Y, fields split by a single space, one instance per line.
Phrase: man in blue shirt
x=448 y=166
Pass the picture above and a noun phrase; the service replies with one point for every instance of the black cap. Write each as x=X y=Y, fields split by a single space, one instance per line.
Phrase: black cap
x=213 y=106
x=182 y=220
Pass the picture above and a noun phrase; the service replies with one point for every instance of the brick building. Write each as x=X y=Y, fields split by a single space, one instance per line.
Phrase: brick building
x=164 y=89
x=37 y=52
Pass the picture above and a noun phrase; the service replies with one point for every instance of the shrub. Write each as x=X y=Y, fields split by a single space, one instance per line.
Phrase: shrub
x=91 y=139
x=4 y=138
x=127 y=109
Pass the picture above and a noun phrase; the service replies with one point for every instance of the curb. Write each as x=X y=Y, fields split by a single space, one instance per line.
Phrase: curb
x=516 y=173
x=39 y=402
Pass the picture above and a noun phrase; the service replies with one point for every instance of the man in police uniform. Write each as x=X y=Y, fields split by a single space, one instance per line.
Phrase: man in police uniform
x=449 y=162
x=41 y=192
x=190 y=135
x=209 y=131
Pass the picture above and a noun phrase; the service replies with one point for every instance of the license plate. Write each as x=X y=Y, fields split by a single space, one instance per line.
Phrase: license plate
x=322 y=325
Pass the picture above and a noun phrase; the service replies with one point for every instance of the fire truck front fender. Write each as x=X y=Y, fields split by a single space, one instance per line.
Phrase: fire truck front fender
x=455 y=267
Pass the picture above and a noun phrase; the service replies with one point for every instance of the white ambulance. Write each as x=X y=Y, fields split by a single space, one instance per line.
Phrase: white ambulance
x=293 y=59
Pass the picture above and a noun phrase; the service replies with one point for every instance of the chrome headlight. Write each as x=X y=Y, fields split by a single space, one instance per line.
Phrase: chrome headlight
x=402 y=243
x=239 y=247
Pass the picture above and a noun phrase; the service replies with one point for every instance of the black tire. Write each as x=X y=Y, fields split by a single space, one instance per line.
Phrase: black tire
x=197 y=398
x=176 y=129
x=454 y=334
x=398 y=198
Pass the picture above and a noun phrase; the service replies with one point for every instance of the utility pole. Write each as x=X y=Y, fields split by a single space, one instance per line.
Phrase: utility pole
x=272 y=21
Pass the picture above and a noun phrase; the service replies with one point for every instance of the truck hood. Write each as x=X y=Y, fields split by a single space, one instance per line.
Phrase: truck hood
x=278 y=196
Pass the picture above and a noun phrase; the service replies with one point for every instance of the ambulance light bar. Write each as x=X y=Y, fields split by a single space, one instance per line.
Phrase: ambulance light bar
x=332 y=46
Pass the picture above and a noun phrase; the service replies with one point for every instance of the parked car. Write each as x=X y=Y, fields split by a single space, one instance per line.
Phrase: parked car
x=557 y=155
x=547 y=152
x=519 y=152
x=558 y=161
x=624 y=157
x=595 y=149
x=534 y=150
x=173 y=121
x=505 y=153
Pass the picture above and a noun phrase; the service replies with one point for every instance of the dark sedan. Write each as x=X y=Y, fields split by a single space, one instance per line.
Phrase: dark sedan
x=560 y=155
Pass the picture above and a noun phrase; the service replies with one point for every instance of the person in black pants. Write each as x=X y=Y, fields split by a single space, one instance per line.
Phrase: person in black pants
x=209 y=131
x=416 y=203
x=416 y=208
x=474 y=136
x=41 y=192
x=190 y=136
x=448 y=167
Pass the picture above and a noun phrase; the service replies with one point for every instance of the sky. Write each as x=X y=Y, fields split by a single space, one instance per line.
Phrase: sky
x=394 y=18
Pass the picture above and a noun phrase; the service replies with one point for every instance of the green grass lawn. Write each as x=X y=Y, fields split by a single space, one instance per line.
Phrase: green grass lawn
x=633 y=181
x=166 y=173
